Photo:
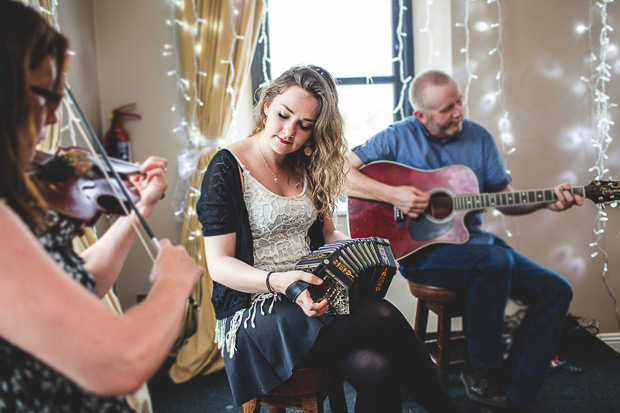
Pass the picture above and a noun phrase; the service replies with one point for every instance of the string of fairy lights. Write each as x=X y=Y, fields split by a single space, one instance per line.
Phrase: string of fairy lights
x=506 y=138
x=429 y=33
x=404 y=80
x=466 y=50
x=187 y=95
x=599 y=77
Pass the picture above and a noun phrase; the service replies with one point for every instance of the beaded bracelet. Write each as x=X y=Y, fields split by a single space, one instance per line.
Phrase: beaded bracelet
x=267 y=283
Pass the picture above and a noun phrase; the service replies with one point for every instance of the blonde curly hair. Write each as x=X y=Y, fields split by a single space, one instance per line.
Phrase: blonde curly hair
x=324 y=170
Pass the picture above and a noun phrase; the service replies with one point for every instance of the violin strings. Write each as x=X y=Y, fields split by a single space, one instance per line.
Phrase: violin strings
x=74 y=119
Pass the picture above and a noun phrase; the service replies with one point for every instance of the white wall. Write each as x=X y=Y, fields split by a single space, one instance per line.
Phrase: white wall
x=119 y=60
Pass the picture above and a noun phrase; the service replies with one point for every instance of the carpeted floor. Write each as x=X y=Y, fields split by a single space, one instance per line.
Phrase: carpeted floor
x=595 y=389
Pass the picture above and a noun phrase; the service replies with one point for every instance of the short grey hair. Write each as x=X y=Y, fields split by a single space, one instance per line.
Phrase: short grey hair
x=419 y=84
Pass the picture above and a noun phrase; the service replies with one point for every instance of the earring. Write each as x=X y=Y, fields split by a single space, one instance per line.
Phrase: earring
x=307 y=150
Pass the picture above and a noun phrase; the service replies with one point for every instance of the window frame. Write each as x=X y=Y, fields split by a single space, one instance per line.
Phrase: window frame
x=258 y=77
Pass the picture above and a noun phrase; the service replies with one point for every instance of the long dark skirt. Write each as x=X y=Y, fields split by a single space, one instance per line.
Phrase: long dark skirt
x=267 y=352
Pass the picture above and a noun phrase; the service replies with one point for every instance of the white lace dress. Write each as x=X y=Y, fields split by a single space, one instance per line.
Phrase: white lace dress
x=261 y=344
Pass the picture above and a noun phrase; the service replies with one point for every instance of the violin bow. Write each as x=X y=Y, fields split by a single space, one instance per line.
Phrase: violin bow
x=104 y=156
x=94 y=141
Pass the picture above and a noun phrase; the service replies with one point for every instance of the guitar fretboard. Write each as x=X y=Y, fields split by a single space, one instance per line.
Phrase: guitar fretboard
x=500 y=199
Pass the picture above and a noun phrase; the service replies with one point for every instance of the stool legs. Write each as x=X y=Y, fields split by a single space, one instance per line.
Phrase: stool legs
x=444 y=342
x=421 y=320
x=253 y=406
x=443 y=345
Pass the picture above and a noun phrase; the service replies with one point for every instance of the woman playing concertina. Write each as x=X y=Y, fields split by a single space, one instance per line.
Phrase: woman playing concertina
x=267 y=201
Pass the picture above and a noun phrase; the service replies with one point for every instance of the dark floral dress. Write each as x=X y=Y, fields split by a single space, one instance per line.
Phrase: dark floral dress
x=27 y=384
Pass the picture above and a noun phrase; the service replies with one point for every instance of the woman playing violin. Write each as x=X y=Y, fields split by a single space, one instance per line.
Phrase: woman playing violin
x=61 y=349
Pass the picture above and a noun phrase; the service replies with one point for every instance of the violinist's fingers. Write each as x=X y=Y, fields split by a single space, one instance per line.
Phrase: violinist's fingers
x=152 y=163
x=149 y=175
x=151 y=187
x=155 y=178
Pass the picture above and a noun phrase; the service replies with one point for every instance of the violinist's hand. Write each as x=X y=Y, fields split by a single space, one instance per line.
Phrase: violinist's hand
x=565 y=198
x=280 y=281
x=153 y=185
x=410 y=200
x=174 y=261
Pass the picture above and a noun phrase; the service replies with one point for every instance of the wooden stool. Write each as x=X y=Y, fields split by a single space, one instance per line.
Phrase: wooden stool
x=304 y=390
x=447 y=303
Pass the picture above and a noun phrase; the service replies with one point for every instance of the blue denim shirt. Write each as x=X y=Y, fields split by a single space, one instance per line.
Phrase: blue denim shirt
x=409 y=143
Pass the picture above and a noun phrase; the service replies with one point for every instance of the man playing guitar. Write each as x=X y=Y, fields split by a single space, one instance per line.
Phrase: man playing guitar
x=435 y=137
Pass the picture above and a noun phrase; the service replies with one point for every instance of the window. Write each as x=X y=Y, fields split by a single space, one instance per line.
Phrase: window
x=356 y=41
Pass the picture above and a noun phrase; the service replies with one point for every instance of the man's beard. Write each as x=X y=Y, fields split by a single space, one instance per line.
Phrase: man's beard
x=446 y=132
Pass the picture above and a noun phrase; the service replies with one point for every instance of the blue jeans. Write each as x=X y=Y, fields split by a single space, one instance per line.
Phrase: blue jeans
x=492 y=274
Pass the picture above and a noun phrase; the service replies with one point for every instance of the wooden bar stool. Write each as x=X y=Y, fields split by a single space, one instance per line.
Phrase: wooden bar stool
x=447 y=303
x=305 y=390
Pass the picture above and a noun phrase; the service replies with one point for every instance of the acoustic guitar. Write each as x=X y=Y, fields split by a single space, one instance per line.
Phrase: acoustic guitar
x=454 y=192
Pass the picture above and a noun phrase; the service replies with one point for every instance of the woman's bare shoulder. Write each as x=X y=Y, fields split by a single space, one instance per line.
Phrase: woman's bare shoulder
x=15 y=232
x=8 y=217
x=242 y=149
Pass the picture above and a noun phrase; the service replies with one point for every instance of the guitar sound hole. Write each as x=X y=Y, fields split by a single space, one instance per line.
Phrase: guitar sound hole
x=440 y=206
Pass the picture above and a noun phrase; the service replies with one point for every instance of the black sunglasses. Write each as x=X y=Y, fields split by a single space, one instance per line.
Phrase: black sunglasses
x=51 y=98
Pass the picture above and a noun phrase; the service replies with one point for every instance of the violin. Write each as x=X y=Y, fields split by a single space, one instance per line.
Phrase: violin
x=73 y=183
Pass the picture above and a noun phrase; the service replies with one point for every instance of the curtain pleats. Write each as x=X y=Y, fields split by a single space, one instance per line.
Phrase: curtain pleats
x=227 y=38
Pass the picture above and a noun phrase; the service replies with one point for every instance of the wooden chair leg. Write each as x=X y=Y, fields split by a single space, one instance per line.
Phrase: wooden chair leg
x=274 y=409
x=253 y=406
x=443 y=345
x=421 y=320
x=310 y=404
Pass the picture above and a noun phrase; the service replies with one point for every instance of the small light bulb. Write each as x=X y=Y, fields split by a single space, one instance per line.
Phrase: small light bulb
x=581 y=28
x=481 y=26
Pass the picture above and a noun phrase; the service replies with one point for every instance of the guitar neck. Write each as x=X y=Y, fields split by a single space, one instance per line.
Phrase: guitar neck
x=505 y=199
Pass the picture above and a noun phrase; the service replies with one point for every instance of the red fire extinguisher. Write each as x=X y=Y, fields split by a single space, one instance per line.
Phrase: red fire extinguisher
x=117 y=138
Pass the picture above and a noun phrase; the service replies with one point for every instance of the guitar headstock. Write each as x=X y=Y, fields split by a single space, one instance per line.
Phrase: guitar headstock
x=603 y=191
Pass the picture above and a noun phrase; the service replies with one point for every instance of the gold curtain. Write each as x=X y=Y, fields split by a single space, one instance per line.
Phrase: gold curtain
x=215 y=59
x=197 y=353
x=208 y=52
